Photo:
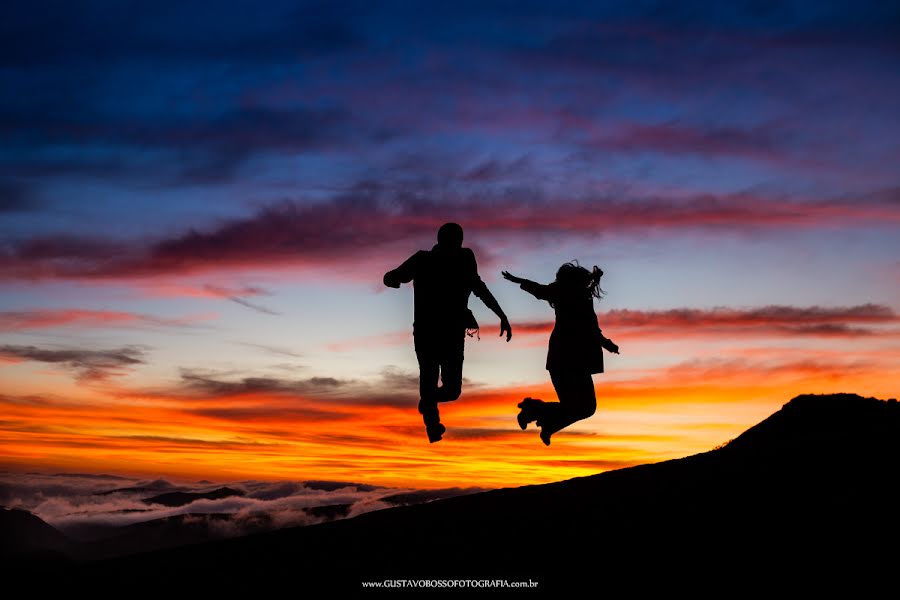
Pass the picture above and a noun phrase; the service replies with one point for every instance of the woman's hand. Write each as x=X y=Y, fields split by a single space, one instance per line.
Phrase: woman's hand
x=608 y=344
x=510 y=277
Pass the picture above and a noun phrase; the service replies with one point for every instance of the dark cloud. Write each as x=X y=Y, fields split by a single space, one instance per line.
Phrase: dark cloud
x=96 y=31
x=213 y=151
x=762 y=141
x=483 y=433
x=198 y=150
x=211 y=385
x=393 y=378
x=680 y=44
x=16 y=197
x=276 y=414
x=496 y=169
x=94 y=101
x=292 y=77
x=89 y=365
x=168 y=441
x=846 y=321
x=785 y=315
x=303 y=398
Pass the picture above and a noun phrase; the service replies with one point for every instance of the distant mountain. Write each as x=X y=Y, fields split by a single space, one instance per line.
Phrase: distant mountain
x=158 y=485
x=22 y=533
x=802 y=504
x=329 y=511
x=184 y=498
x=90 y=530
x=101 y=476
x=330 y=486
x=169 y=532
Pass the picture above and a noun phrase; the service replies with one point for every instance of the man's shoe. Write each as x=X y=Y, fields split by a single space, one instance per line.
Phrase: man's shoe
x=523 y=419
x=435 y=432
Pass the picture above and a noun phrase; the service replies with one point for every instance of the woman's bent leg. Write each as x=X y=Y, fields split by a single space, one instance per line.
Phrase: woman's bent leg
x=577 y=401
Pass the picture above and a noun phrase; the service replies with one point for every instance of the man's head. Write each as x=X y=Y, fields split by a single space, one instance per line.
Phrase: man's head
x=450 y=235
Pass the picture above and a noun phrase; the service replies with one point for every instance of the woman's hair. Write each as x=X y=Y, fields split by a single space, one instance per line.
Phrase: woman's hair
x=574 y=275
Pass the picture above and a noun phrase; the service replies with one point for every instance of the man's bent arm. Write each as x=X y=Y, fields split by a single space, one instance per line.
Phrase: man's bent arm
x=481 y=290
x=402 y=274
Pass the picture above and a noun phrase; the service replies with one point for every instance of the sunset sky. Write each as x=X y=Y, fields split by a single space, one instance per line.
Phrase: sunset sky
x=198 y=201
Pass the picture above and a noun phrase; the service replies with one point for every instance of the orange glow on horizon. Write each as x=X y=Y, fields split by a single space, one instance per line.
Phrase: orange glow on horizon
x=642 y=417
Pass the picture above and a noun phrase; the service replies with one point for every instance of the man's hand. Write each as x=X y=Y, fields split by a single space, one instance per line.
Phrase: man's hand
x=505 y=327
x=391 y=280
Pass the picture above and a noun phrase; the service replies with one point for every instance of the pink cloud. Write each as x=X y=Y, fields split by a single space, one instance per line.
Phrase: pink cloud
x=345 y=233
x=72 y=317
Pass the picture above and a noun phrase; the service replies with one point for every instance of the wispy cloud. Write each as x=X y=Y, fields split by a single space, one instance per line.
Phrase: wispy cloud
x=237 y=296
x=21 y=320
x=277 y=350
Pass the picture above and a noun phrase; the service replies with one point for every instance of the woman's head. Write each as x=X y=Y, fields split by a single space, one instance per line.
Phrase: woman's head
x=574 y=276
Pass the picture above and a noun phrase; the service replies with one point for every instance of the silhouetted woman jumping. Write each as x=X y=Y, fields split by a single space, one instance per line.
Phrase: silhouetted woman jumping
x=576 y=348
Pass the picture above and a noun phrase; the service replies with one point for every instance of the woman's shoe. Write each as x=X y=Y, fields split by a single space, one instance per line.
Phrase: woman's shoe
x=545 y=437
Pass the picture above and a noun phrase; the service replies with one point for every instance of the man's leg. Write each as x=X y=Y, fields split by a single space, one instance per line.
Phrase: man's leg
x=428 y=380
x=451 y=360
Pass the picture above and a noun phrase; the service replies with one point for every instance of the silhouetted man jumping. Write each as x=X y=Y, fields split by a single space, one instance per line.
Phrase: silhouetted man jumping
x=443 y=278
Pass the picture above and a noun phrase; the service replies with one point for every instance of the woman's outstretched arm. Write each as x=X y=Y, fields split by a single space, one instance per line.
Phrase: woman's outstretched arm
x=510 y=277
x=539 y=291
